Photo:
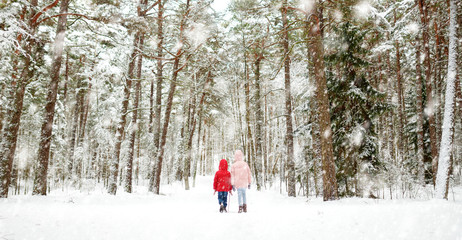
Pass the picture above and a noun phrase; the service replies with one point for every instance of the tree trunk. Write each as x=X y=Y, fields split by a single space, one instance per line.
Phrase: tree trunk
x=442 y=179
x=134 y=130
x=159 y=80
x=199 y=152
x=249 y=136
x=437 y=78
x=430 y=106
x=249 y=141
x=78 y=111
x=420 y=117
x=168 y=110
x=288 y=104
x=10 y=136
x=259 y=123
x=85 y=108
x=133 y=133
x=401 y=107
x=176 y=69
x=390 y=114
x=330 y=191
x=192 y=128
x=266 y=148
x=40 y=182
x=2 y=113
x=16 y=97
x=114 y=168
x=314 y=113
x=185 y=131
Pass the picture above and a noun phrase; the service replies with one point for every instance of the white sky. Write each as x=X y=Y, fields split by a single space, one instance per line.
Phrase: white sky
x=220 y=5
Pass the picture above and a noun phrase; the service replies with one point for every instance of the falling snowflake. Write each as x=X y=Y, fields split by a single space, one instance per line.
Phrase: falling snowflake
x=307 y=5
x=413 y=28
x=327 y=133
x=198 y=34
x=363 y=9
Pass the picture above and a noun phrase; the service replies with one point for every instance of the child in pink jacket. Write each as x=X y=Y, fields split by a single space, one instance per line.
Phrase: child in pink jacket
x=240 y=179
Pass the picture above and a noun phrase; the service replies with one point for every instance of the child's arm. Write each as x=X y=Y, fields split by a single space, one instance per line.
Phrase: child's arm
x=228 y=176
x=232 y=174
x=249 y=174
x=215 y=182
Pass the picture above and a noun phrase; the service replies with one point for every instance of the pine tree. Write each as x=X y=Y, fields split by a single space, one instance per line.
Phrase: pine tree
x=330 y=187
x=354 y=105
x=23 y=69
x=40 y=182
x=288 y=103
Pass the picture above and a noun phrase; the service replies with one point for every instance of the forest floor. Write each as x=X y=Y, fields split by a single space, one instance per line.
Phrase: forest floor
x=193 y=214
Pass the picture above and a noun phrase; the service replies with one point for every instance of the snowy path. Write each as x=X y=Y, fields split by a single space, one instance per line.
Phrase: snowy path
x=194 y=214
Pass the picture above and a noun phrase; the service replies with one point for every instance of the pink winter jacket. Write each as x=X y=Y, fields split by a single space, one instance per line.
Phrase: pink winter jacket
x=240 y=171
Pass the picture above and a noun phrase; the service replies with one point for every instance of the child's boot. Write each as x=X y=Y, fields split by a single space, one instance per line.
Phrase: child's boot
x=245 y=207
x=221 y=207
x=240 y=209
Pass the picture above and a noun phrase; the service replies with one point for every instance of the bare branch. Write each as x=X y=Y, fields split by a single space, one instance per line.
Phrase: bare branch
x=298 y=9
x=35 y=18
x=67 y=14
x=151 y=7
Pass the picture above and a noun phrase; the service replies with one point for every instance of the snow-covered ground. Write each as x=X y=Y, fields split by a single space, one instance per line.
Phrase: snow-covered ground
x=180 y=214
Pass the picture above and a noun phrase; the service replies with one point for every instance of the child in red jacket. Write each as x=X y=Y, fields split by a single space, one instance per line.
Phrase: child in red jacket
x=222 y=184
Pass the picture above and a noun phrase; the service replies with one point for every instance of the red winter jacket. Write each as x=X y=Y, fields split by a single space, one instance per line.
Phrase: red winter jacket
x=222 y=180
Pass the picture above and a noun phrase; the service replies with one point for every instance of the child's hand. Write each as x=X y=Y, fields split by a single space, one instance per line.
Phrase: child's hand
x=214 y=192
x=231 y=193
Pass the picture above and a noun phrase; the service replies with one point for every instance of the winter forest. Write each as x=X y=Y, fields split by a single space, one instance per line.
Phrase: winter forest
x=327 y=99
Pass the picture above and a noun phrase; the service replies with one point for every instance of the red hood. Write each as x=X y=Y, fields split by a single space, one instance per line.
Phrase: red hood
x=223 y=165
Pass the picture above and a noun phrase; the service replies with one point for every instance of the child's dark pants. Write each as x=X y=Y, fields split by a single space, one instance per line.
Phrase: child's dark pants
x=223 y=198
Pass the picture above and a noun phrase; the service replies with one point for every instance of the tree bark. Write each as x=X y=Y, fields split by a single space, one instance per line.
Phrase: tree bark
x=189 y=109
x=390 y=119
x=401 y=107
x=10 y=136
x=420 y=117
x=168 y=110
x=437 y=78
x=75 y=127
x=442 y=178
x=79 y=170
x=199 y=153
x=114 y=168
x=139 y=66
x=249 y=136
x=430 y=106
x=259 y=123
x=159 y=80
x=192 y=128
x=314 y=113
x=134 y=130
x=2 y=113
x=288 y=104
x=40 y=182
x=16 y=99
x=330 y=191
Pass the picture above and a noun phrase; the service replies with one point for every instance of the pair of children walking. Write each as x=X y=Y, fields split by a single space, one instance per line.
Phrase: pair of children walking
x=238 y=179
